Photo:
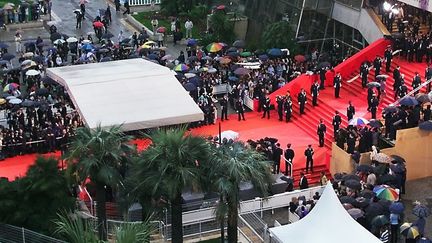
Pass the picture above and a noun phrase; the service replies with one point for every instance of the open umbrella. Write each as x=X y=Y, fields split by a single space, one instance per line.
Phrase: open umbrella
x=42 y=92
x=375 y=123
x=421 y=211
x=3 y=62
x=386 y=179
x=8 y=56
x=424 y=240
x=229 y=134
x=355 y=213
x=383 y=76
x=408 y=101
x=214 y=47
x=350 y=177
x=3 y=45
x=380 y=220
x=167 y=57
x=373 y=210
x=233 y=78
x=32 y=72
x=386 y=192
x=287 y=179
x=71 y=40
x=347 y=206
x=353 y=184
x=382 y=158
x=38 y=59
x=323 y=65
x=161 y=29
x=347 y=199
x=358 y=121
x=246 y=54
x=367 y=194
x=365 y=168
x=181 y=68
x=373 y=85
x=47 y=80
x=152 y=56
x=242 y=71
x=224 y=60
x=398 y=168
x=189 y=75
x=397 y=207
x=397 y=158
x=59 y=42
x=2 y=101
x=390 y=109
x=239 y=44
x=189 y=86
x=275 y=52
x=98 y=24
x=300 y=58
x=422 y=98
x=263 y=57
x=409 y=231
x=15 y=101
x=27 y=103
x=426 y=126
x=361 y=202
x=192 y=42
x=10 y=87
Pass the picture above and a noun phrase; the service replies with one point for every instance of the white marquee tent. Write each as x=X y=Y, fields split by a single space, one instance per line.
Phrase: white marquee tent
x=328 y=222
x=135 y=93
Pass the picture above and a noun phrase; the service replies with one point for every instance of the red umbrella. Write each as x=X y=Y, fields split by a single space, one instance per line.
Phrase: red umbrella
x=161 y=29
x=220 y=7
x=300 y=58
x=98 y=24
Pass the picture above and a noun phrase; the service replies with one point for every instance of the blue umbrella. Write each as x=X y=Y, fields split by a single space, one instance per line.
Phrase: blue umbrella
x=427 y=126
x=52 y=49
x=3 y=45
x=192 y=42
x=189 y=86
x=152 y=56
x=409 y=101
x=397 y=207
x=233 y=54
x=424 y=240
x=275 y=52
x=196 y=80
x=233 y=78
x=39 y=59
x=263 y=57
x=8 y=57
x=3 y=62
x=30 y=43
x=87 y=47
x=421 y=211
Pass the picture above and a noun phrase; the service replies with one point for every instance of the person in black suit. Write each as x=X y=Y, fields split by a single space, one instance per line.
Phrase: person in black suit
x=388 y=55
x=337 y=83
x=303 y=183
x=428 y=75
x=374 y=106
x=277 y=153
x=321 y=130
x=288 y=108
x=280 y=103
x=240 y=109
x=377 y=65
x=224 y=108
x=364 y=72
x=266 y=108
x=416 y=82
x=302 y=100
x=397 y=78
x=427 y=113
x=322 y=73
x=289 y=157
x=309 y=152
x=314 y=92
x=337 y=120
x=350 y=111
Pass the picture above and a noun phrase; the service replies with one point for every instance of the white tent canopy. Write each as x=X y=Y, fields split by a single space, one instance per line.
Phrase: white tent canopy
x=135 y=93
x=328 y=222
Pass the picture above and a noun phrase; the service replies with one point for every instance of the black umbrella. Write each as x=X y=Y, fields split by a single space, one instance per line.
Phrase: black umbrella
x=350 y=177
x=233 y=54
x=373 y=85
x=28 y=44
x=380 y=220
x=47 y=80
x=386 y=179
x=375 y=123
x=103 y=50
x=422 y=98
x=3 y=45
x=55 y=36
x=398 y=168
x=365 y=168
x=8 y=57
x=39 y=59
x=42 y=92
x=107 y=36
x=408 y=101
x=361 y=202
x=239 y=44
x=374 y=209
x=189 y=86
x=347 y=199
x=232 y=49
x=27 y=103
x=323 y=65
x=426 y=126
x=397 y=158
x=353 y=184
x=367 y=194
x=125 y=40
x=391 y=109
x=338 y=176
x=380 y=169
x=192 y=58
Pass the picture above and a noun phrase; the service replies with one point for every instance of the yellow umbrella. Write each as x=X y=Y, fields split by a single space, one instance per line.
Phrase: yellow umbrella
x=150 y=43
x=409 y=231
x=146 y=46
x=2 y=101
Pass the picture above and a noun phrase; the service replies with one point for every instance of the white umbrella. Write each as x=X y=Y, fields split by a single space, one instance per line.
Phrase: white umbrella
x=15 y=101
x=59 y=41
x=382 y=158
x=10 y=97
x=212 y=70
x=71 y=40
x=358 y=121
x=28 y=54
x=190 y=75
x=86 y=41
x=229 y=134
x=26 y=62
x=32 y=72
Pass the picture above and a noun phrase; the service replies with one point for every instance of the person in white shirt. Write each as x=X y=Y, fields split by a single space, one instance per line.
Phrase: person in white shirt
x=188 y=27
x=120 y=36
x=58 y=60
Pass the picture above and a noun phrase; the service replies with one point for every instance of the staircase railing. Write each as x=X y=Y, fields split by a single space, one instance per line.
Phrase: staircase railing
x=242 y=222
x=411 y=92
x=291 y=166
x=13 y=234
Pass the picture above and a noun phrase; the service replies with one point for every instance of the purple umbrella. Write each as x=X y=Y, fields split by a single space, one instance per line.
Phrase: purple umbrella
x=242 y=71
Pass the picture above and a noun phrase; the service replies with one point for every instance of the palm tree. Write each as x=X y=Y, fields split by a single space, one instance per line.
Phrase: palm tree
x=171 y=164
x=99 y=154
x=232 y=164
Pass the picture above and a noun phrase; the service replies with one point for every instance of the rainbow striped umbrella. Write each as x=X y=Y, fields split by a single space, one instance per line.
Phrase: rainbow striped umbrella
x=358 y=121
x=214 y=47
x=409 y=231
x=181 y=68
x=386 y=192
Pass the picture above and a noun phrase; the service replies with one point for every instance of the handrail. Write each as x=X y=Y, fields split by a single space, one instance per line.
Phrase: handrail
x=378 y=22
x=291 y=166
x=411 y=92
x=244 y=235
x=250 y=227
x=325 y=39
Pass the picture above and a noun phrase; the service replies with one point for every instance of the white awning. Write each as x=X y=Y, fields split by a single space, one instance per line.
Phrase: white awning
x=328 y=222
x=135 y=93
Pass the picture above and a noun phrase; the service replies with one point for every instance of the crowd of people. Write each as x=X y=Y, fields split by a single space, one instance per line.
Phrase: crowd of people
x=24 y=12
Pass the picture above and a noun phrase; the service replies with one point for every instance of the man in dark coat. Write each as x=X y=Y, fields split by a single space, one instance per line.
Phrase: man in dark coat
x=397 y=78
x=277 y=153
x=321 y=130
x=322 y=73
x=240 y=109
x=288 y=108
x=280 y=105
x=314 y=92
x=289 y=157
x=303 y=183
x=337 y=83
x=364 y=72
x=374 y=106
x=224 y=108
x=337 y=120
x=416 y=82
x=350 y=111
x=377 y=65
x=266 y=108
x=302 y=100
x=388 y=58
x=309 y=152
